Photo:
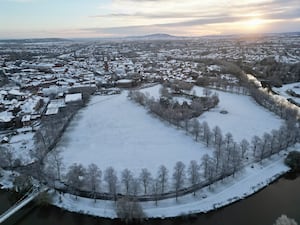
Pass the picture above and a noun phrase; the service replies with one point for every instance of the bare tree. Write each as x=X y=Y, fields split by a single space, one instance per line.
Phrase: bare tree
x=282 y=135
x=111 y=179
x=75 y=177
x=228 y=140
x=178 y=177
x=266 y=145
x=162 y=178
x=93 y=179
x=256 y=141
x=127 y=179
x=6 y=157
x=244 y=145
x=186 y=124
x=207 y=134
x=129 y=210
x=135 y=186
x=197 y=106
x=146 y=178
x=41 y=147
x=274 y=142
x=205 y=160
x=236 y=159
x=195 y=128
x=55 y=163
x=217 y=135
x=194 y=173
x=156 y=190
x=164 y=92
x=212 y=174
x=218 y=153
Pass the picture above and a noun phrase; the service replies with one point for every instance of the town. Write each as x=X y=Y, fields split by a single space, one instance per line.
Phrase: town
x=159 y=87
x=36 y=76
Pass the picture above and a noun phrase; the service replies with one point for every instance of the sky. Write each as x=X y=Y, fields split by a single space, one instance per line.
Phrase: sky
x=119 y=18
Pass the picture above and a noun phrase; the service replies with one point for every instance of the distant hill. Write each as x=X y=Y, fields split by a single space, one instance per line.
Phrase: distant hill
x=34 y=40
x=155 y=37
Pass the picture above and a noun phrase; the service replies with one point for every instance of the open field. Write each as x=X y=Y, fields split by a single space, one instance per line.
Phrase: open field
x=245 y=117
x=113 y=131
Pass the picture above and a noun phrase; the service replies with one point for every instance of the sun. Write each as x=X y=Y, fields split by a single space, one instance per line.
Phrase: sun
x=254 y=23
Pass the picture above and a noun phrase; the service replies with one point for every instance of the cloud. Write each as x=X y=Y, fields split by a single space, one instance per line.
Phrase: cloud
x=276 y=9
x=152 y=15
x=154 y=28
x=218 y=22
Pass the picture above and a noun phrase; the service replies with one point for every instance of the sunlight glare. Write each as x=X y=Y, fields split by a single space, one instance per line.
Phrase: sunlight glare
x=254 y=23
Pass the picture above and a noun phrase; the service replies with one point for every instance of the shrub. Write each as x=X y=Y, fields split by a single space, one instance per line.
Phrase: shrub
x=293 y=160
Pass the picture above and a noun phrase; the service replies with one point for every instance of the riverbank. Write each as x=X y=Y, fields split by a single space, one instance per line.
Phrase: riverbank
x=280 y=196
x=252 y=179
x=247 y=182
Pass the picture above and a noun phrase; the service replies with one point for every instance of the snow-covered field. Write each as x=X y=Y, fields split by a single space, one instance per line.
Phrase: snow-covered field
x=245 y=117
x=113 y=131
x=294 y=87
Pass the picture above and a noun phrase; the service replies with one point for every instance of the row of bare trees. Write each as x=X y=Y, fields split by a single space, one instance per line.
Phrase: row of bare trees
x=227 y=158
x=95 y=181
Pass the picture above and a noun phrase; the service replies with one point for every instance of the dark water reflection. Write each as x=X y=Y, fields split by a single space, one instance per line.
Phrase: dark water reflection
x=282 y=197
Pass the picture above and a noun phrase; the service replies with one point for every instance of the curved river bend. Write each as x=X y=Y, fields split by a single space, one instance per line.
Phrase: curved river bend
x=281 y=197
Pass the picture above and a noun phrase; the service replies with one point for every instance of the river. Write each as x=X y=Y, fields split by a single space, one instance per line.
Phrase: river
x=281 y=197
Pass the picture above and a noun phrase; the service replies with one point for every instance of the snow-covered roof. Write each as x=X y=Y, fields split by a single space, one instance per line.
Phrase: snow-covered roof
x=6 y=116
x=26 y=118
x=56 y=103
x=124 y=81
x=3 y=92
x=51 y=111
x=73 y=97
x=214 y=68
x=16 y=92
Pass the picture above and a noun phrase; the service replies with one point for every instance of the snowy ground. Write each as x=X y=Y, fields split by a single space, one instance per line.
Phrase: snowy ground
x=21 y=145
x=113 y=131
x=223 y=193
x=245 y=117
x=294 y=87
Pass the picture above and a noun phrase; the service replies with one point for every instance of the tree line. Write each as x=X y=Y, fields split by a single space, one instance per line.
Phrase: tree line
x=171 y=110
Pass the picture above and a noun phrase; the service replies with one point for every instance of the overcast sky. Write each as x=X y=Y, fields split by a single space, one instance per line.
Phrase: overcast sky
x=116 y=18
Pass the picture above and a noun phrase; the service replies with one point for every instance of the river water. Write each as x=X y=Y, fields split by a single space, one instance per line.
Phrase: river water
x=281 y=197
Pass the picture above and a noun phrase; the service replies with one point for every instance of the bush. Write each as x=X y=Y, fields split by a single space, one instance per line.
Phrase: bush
x=293 y=160
x=129 y=210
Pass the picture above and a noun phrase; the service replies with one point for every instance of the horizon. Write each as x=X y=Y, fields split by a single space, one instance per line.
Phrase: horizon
x=22 y=19
x=146 y=35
